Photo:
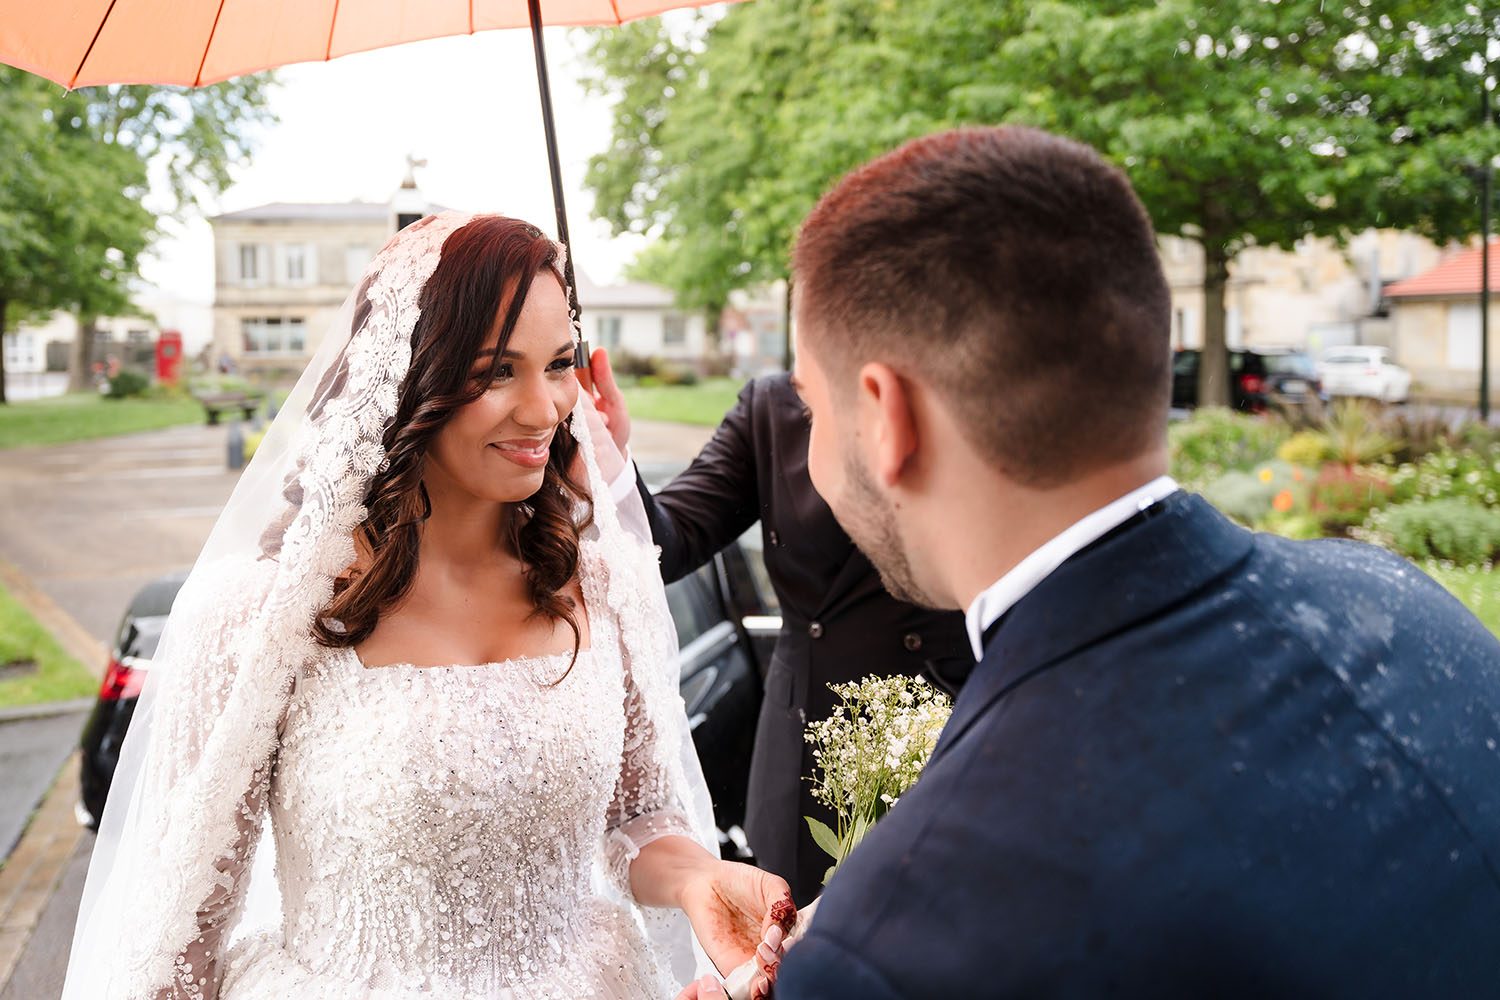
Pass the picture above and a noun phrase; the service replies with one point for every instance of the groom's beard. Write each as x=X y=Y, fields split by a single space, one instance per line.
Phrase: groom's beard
x=871 y=522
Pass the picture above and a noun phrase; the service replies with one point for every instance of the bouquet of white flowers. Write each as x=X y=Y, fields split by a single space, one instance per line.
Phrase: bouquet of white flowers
x=870 y=752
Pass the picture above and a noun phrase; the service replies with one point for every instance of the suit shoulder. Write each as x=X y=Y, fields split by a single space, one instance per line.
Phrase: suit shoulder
x=1315 y=583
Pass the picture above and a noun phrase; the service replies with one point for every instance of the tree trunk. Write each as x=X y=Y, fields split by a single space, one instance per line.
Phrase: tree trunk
x=3 y=306
x=1213 y=363
x=80 y=378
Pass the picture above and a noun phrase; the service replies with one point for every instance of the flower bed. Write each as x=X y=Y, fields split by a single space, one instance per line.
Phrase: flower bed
x=1417 y=486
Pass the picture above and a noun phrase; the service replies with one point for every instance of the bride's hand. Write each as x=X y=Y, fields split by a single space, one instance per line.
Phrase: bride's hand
x=733 y=907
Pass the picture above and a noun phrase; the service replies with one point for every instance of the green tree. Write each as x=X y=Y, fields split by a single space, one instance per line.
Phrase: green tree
x=1240 y=123
x=73 y=185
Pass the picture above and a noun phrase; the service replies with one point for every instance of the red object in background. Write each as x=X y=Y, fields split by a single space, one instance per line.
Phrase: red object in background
x=123 y=679
x=169 y=357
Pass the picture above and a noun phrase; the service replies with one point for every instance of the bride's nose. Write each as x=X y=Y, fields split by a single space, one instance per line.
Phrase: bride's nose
x=536 y=404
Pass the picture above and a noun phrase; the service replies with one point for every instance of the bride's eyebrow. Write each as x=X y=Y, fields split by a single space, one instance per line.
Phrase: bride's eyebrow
x=519 y=356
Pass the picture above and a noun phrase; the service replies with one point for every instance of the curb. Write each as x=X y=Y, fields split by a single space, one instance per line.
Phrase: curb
x=73 y=637
x=31 y=874
x=46 y=711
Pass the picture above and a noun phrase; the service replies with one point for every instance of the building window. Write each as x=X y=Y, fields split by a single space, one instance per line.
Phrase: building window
x=249 y=263
x=673 y=330
x=297 y=270
x=356 y=258
x=1463 y=336
x=274 y=335
x=607 y=332
x=405 y=219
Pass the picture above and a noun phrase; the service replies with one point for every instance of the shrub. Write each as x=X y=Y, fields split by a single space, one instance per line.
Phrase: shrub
x=1466 y=472
x=633 y=365
x=1418 y=433
x=127 y=384
x=1354 y=434
x=1456 y=530
x=1309 y=448
x=1270 y=489
x=677 y=375
x=1344 y=497
x=1215 y=441
x=1293 y=525
x=718 y=366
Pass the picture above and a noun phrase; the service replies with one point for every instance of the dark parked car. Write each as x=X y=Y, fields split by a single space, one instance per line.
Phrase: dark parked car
x=1259 y=378
x=726 y=625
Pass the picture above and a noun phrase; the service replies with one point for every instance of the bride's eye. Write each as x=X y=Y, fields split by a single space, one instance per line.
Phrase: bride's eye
x=562 y=364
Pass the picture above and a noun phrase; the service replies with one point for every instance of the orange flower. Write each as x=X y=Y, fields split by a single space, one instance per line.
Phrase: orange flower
x=1297 y=475
x=1283 y=501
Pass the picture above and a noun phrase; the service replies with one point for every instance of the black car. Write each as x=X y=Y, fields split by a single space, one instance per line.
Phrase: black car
x=1259 y=378
x=726 y=625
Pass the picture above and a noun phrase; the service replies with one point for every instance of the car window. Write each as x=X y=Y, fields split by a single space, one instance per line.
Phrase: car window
x=1347 y=358
x=1236 y=361
x=1185 y=363
x=692 y=605
x=751 y=545
x=1290 y=364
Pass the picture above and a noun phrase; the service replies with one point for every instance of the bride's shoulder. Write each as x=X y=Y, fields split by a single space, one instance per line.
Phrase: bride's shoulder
x=223 y=587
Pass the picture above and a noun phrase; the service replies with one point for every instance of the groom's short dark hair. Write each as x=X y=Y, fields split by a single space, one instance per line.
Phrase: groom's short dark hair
x=1018 y=273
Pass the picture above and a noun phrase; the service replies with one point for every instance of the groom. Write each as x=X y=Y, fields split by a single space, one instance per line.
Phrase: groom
x=1192 y=760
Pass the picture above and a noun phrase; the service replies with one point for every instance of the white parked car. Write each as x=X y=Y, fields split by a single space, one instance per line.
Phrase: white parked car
x=1364 y=371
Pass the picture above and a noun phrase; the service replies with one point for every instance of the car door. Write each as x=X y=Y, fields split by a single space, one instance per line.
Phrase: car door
x=720 y=688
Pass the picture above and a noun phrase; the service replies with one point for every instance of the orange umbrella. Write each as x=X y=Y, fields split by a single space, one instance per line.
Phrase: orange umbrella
x=84 y=43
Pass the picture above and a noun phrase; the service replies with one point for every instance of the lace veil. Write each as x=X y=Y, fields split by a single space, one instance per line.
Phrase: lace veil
x=170 y=842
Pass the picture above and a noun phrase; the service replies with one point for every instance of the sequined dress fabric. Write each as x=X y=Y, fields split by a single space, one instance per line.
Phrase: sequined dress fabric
x=461 y=832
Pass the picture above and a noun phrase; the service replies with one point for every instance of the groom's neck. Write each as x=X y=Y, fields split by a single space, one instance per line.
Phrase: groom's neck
x=1002 y=522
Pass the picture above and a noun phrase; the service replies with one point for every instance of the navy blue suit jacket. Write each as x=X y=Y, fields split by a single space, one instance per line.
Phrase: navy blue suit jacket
x=1194 y=761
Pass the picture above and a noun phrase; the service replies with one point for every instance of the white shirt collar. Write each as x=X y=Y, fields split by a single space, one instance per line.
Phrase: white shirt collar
x=1023 y=578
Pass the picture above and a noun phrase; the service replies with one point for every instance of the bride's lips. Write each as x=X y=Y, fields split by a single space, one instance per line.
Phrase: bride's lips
x=526 y=452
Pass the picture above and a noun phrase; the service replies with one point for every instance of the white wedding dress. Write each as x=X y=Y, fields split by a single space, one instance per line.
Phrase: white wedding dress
x=443 y=831
x=287 y=822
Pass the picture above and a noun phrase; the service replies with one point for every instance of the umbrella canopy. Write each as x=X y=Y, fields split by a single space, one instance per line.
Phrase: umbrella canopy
x=83 y=43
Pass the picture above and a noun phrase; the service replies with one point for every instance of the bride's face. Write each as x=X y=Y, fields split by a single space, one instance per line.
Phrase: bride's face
x=496 y=448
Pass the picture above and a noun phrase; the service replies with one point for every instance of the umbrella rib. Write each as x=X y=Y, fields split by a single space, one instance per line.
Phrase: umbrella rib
x=198 y=80
x=90 y=51
x=615 y=6
x=471 y=17
x=332 y=22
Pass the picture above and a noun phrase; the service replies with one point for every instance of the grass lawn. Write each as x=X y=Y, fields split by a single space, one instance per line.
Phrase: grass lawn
x=1479 y=589
x=58 y=676
x=704 y=404
x=88 y=415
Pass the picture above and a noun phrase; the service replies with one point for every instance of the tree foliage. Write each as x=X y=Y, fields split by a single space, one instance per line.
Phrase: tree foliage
x=1253 y=123
x=75 y=177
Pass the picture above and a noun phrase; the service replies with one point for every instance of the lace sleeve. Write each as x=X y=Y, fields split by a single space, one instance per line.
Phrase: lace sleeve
x=181 y=869
x=645 y=807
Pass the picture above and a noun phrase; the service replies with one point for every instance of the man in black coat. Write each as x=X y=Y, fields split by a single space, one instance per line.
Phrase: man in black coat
x=1192 y=761
x=838 y=622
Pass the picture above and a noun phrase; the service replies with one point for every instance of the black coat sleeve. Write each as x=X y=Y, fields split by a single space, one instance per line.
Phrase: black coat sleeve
x=714 y=501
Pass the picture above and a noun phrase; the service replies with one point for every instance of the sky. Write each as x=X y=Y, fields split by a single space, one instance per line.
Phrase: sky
x=467 y=105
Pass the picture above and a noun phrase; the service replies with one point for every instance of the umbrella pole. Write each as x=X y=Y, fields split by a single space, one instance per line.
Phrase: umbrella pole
x=549 y=127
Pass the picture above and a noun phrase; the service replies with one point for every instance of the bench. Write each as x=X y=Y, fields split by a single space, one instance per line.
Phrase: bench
x=227 y=402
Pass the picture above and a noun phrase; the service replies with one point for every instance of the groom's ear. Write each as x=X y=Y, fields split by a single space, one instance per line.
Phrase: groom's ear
x=886 y=410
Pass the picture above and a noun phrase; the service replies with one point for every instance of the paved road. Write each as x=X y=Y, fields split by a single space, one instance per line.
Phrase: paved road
x=89 y=524
x=31 y=751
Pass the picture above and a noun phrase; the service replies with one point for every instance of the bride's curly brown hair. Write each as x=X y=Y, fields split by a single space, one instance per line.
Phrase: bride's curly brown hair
x=481 y=281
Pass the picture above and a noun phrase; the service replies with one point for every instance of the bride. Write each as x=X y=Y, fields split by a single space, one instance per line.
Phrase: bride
x=413 y=729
